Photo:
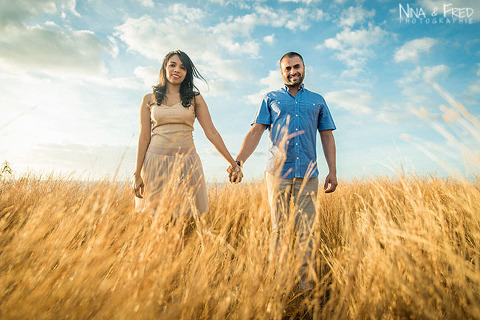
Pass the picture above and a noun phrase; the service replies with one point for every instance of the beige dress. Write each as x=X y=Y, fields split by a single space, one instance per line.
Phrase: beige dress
x=172 y=170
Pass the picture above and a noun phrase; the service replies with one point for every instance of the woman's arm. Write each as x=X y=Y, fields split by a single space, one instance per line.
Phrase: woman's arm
x=143 y=142
x=211 y=133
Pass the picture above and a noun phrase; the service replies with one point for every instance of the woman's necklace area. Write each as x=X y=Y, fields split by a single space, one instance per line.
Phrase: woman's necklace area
x=171 y=98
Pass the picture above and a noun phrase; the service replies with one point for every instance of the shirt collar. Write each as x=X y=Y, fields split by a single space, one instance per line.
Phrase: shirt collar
x=299 y=88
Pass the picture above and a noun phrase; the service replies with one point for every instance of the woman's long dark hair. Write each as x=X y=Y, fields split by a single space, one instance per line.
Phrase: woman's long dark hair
x=187 y=89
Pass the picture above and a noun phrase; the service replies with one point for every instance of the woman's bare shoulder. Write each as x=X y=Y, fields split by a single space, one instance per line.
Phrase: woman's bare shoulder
x=148 y=99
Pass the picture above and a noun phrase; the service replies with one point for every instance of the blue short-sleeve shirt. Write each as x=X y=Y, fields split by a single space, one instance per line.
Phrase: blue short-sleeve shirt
x=293 y=123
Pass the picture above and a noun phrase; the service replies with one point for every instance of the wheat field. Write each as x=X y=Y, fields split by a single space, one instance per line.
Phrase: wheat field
x=402 y=247
x=384 y=248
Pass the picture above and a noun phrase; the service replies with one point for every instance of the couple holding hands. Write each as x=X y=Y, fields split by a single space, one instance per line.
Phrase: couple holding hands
x=292 y=115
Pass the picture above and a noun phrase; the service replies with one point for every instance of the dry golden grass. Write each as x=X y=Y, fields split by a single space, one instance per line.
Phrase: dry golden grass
x=385 y=249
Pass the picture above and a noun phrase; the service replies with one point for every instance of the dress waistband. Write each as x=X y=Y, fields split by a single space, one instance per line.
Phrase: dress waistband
x=169 y=151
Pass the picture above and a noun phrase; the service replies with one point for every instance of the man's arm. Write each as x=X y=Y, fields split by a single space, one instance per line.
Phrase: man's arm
x=250 y=142
x=328 y=144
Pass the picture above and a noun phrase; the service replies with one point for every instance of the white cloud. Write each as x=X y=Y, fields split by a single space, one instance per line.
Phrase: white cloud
x=410 y=77
x=307 y=2
x=433 y=73
x=355 y=15
x=415 y=87
x=269 y=39
x=302 y=17
x=69 y=6
x=16 y=13
x=391 y=115
x=147 y=3
x=225 y=69
x=240 y=4
x=114 y=50
x=218 y=49
x=240 y=26
x=353 y=100
x=225 y=35
x=212 y=88
x=180 y=11
x=411 y=50
x=271 y=82
x=298 y=19
x=153 y=40
x=475 y=87
x=52 y=49
x=147 y=75
x=48 y=48
x=420 y=74
x=154 y=37
x=358 y=39
x=354 y=47
x=271 y=17
x=332 y=43
x=251 y=47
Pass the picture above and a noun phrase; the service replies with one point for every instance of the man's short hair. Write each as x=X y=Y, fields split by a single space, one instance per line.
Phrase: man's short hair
x=291 y=54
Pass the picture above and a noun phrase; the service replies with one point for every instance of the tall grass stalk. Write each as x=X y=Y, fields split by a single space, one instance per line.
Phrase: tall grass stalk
x=385 y=248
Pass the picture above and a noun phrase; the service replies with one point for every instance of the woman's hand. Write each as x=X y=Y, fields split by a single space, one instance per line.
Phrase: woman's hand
x=138 y=187
x=235 y=174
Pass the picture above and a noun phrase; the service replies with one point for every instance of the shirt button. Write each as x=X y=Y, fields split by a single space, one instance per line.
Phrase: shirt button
x=296 y=115
x=296 y=129
x=296 y=144
x=297 y=158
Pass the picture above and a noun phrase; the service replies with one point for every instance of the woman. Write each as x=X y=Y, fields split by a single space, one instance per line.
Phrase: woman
x=166 y=154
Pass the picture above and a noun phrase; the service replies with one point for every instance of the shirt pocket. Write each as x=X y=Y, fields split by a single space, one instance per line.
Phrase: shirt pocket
x=281 y=107
x=310 y=110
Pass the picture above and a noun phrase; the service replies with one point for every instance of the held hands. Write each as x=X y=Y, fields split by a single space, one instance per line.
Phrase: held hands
x=138 y=187
x=235 y=174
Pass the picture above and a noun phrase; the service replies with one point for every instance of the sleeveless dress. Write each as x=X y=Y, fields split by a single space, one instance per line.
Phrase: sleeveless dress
x=172 y=170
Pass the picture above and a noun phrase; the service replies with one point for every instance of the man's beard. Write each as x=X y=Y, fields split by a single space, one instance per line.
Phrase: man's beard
x=294 y=82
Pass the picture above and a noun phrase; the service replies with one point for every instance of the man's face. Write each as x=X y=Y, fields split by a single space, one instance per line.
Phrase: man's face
x=293 y=71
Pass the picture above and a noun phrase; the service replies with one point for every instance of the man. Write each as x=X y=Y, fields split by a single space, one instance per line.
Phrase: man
x=292 y=115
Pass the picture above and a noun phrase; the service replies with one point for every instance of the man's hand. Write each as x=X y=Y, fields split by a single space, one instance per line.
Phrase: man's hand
x=235 y=175
x=330 y=183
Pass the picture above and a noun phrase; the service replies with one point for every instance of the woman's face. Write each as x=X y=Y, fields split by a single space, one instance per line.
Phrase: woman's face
x=175 y=71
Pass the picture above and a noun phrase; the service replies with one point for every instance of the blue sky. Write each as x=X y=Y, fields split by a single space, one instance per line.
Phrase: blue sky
x=73 y=74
